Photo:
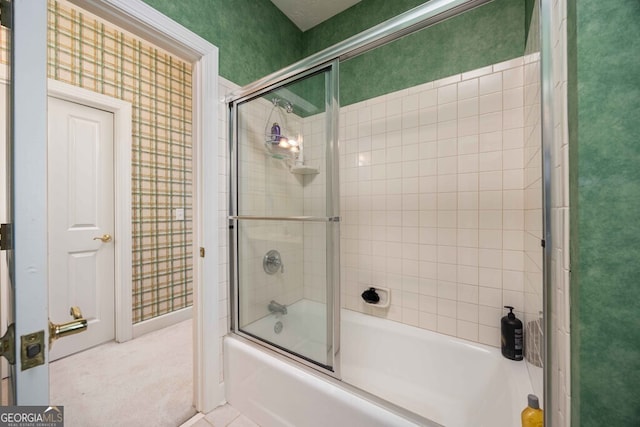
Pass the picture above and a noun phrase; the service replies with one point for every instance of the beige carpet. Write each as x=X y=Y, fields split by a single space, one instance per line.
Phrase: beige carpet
x=143 y=382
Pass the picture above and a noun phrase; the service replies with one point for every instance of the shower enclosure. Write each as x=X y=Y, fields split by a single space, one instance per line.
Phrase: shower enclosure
x=284 y=221
x=419 y=225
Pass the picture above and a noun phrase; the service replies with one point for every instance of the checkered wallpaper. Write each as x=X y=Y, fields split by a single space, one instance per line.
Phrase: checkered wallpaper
x=86 y=52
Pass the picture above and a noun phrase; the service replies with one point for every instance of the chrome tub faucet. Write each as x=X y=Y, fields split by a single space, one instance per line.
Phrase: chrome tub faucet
x=275 y=307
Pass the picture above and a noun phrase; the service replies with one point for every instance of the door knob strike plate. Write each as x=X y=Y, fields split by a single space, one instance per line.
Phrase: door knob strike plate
x=32 y=348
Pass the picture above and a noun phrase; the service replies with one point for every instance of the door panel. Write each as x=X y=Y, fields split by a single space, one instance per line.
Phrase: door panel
x=284 y=231
x=80 y=203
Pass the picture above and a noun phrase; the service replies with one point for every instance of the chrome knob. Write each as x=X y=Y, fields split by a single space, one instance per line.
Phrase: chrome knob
x=272 y=262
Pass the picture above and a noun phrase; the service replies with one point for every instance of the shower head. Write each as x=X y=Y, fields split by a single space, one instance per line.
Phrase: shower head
x=277 y=102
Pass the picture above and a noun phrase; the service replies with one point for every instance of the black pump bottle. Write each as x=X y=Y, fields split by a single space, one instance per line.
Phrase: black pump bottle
x=511 y=328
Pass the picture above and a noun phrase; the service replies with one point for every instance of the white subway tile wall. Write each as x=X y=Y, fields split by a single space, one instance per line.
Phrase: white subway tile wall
x=433 y=201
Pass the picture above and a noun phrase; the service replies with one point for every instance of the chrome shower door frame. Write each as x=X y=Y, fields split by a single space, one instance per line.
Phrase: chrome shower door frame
x=331 y=218
x=425 y=15
x=404 y=24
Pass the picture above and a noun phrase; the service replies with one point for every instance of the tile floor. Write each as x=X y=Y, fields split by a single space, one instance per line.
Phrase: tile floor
x=224 y=416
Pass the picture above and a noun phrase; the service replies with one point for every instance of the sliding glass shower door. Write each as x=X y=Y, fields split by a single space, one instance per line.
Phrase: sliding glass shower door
x=284 y=216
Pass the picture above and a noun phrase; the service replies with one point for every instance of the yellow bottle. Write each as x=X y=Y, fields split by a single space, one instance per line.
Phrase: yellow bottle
x=532 y=416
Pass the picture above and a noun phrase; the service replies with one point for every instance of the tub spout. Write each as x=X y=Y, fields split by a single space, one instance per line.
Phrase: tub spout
x=275 y=307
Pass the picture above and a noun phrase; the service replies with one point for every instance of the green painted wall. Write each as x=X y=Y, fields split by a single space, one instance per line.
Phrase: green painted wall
x=604 y=73
x=254 y=38
x=352 y=21
x=529 y=6
x=483 y=36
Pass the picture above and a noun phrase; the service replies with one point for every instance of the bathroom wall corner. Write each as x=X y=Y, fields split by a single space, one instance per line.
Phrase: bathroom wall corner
x=572 y=130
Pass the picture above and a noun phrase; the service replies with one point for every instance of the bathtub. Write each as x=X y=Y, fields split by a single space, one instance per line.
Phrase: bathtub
x=422 y=377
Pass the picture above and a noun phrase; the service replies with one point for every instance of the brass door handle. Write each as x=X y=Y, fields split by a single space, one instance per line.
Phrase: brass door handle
x=106 y=238
x=79 y=324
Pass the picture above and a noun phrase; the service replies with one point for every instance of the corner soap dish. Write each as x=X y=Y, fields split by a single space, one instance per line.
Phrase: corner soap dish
x=304 y=170
x=377 y=297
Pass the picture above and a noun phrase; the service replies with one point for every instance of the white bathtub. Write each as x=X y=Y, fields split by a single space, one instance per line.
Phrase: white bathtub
x=452 y=382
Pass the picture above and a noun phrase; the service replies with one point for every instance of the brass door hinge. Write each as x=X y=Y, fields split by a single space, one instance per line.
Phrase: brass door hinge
x=8 y=344
x=31 y=348
x=6 y=237
x=202 y=252
x=5 y=13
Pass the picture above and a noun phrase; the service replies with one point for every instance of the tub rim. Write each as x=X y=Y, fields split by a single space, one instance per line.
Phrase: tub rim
x=303 y=366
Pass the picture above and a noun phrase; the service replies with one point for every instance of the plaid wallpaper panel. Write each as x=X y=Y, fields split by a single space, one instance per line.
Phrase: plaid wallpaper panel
x=88 y=53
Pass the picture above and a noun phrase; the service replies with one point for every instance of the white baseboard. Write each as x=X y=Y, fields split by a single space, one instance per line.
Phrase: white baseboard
x=222 y=391
x=161 y=322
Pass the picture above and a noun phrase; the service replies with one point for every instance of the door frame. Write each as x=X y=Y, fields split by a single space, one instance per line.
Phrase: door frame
x=122 y=241
x=4 y=217
x=28 y=198
x=144 y=21
x=30 y=135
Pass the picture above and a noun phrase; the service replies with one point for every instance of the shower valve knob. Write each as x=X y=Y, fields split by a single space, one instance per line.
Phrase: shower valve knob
x=272 y=262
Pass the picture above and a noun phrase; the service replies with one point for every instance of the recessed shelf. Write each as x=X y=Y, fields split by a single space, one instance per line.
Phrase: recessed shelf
x=304 y=170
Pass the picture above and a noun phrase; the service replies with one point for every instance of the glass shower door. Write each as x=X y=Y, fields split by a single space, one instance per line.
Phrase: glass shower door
x=284 y=217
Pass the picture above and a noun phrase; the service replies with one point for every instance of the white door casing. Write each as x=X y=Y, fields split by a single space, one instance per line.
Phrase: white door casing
x=80 y=212
x=29 y=124
x=144 y=21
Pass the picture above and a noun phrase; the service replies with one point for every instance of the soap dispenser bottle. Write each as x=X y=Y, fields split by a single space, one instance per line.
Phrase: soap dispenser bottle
x=511 y=329
x=532 y=415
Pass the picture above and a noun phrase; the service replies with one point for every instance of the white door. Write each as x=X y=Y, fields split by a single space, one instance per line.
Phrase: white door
x=81 y=222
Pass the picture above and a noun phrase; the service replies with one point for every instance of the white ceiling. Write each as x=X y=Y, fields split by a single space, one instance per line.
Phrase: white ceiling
x=309 y=13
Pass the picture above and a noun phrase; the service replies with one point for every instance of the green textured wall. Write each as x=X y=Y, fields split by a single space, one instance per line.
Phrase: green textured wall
x=529 y=6
x=605 y=196
x=352 y=21
x=254 y=38
x=489 y=34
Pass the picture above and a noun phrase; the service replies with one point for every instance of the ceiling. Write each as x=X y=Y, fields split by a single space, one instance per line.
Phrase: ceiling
x=309 y=13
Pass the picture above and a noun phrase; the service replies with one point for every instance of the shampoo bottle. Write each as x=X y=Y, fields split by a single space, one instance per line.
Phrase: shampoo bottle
x=511 y=336
x=275 y=133
x=532 y=415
